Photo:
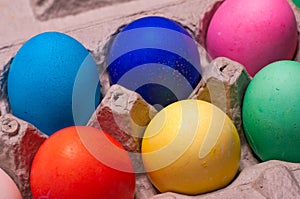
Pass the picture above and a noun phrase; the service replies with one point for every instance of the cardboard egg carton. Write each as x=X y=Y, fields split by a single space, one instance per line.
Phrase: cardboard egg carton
x=223 y=84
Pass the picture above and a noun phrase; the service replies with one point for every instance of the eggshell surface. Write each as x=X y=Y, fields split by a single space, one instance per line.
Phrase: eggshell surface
x=8 y=189
x=297 y=3
x=157 y=58
x=82 y=162
x=53 y=82
x=271 y=110
x=254 y=33
x=191 y=147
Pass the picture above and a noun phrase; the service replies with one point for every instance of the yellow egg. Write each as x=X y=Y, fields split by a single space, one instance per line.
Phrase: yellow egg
x=191 y=147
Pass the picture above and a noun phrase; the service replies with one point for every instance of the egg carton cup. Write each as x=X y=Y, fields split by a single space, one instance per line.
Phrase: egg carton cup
x=223 y=83
x=47 y=9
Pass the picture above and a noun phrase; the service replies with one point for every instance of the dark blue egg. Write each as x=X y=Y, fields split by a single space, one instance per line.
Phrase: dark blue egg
x=53 y=82
x=157 y=58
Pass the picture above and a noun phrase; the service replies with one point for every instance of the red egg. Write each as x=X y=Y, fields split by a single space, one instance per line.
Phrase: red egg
x=82 y=162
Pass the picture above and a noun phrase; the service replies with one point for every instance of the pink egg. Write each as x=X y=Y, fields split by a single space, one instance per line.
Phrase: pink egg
x=8 y=189
x=253 y=32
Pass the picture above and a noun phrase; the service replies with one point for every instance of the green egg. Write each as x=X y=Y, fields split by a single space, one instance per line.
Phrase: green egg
x=297 y=3
x=271 y=112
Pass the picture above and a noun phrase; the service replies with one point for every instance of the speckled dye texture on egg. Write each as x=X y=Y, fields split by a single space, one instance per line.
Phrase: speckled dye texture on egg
x=254 y=33
x=157 y=58
x=53 y=82
x=271 y=111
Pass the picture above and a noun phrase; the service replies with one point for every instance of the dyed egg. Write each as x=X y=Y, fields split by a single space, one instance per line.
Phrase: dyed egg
x=191 y=147
x=82 y=162
x=53 y=82
x=8 y=189
x=157 y=58
x=297 y=3
x=271 y=111
x=254 y=33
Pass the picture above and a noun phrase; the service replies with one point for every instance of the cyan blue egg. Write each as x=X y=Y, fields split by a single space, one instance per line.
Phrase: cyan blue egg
x=157 y=58
x=53 y=82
